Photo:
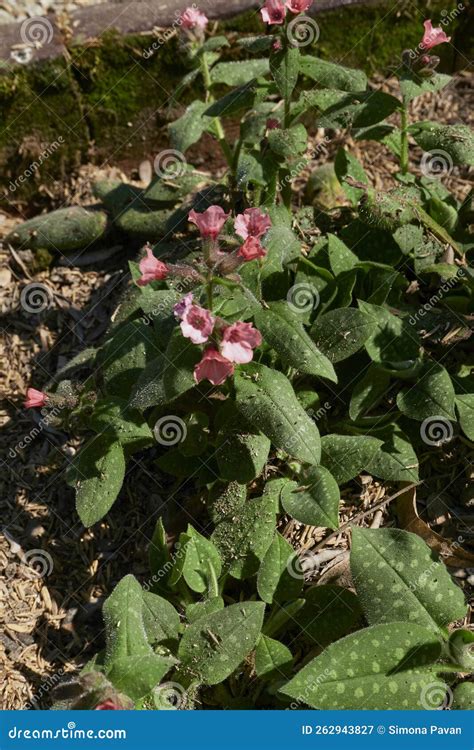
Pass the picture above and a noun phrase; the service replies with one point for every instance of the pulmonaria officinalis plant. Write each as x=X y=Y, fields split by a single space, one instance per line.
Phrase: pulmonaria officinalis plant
x=266 y=356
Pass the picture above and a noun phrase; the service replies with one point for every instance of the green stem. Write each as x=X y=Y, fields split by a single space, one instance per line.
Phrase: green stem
x=209 y=290
x=404 y=138
x=220 y=133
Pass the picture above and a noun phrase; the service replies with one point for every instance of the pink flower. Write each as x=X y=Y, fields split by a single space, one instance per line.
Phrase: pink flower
x=298 y=6
x=251 y=249
x=273 y=12
x=197 y=324
x=210 y=221
x=192 y=18
x=276 y=45
x=238 y=342
x=35 y=398
x=433 y=36
x=180 y=308
x=214 y=367
x=151 y=268
x=252 y=223
x=108 y=705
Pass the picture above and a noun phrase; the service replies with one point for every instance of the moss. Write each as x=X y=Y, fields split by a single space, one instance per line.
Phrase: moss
x=372 y=37
x=114 y=94
x=43 y=131
x=123 y=90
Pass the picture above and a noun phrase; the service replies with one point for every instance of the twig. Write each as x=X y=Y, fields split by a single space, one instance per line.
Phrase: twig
x=366 y=513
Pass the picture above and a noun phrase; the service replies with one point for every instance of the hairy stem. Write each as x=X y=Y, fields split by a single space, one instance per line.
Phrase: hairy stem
x=404 y=138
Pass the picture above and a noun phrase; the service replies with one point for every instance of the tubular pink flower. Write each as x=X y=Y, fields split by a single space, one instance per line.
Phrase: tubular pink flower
x=238 y=342
x=298 y=6
x=35 y=399
x=273 y=12
x=180 y=308
x=433 y=36
x=251 y=249
x=108 y=705
x=213 y=367
x=252 y=223
x=193 y=18
x=209 y=222
x=151 y=268
x=197 y=324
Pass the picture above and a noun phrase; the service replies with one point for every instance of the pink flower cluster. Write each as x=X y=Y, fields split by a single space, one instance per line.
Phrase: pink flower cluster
x=251 y=225
x=274 y=11
x=192 y=18
x=234 y=343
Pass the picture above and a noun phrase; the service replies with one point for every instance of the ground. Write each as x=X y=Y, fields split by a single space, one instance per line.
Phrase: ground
x=51 y=624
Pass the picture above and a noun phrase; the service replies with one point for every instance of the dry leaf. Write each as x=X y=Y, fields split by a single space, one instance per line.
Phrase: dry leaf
x=451 y=552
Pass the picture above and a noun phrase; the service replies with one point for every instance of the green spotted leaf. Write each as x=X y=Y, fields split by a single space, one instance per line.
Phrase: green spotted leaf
x=273 y=659
x=432 y=395
x=347 y=455
x=332 y=76
x=463 y=697
x=98 y=472
x=283 y=331
x=212 y=649
x=266 y=399
x=340 y=333
x=329 y=612
x=398 y=578
x=465 y=409
x=244 y=538
x=276 y=580
x=368 y=392
x=160 y=618
x=239 y=73
x=388 y=666
x=130 y=663
x=392 y=339
x=315 y=500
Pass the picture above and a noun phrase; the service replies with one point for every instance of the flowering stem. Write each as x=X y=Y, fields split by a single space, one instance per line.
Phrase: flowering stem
x=220 y=134
x=404 y=138
x=209 y=290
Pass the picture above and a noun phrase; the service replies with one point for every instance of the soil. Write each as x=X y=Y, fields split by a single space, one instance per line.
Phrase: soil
x=54 y=574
